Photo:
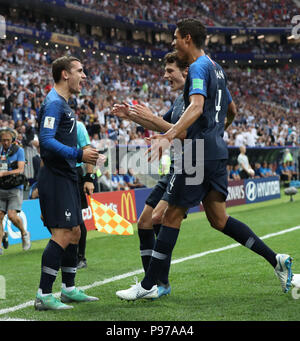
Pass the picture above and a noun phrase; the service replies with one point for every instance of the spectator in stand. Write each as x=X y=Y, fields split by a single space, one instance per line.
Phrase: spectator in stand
x=123 y=136
x=118 y=181
x=269 y=169
x=283 y=172
x=272 y=168
x=257 y=168
x=122 y=183
x=103 y=133
x=292 y=169
x=131 y=180
x=95 y=141
x=107 y=184
x=239 y=138
x=234 y=173
x=113 y=132
x=250 y=136
x=264 y=171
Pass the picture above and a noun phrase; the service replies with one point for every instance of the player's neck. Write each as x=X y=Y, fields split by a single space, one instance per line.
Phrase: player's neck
x=195 y=54
x=62 y=91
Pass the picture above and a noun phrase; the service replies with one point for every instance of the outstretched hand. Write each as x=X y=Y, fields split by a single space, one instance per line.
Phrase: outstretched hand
x=140 y=111
x=121 y=110
x=158 y=145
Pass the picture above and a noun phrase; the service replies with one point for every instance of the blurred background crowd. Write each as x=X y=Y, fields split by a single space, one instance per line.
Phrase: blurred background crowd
x=267 y=97
x=227 y=13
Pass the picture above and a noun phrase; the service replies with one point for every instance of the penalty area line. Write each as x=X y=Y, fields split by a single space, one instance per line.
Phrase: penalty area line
x=136 y=272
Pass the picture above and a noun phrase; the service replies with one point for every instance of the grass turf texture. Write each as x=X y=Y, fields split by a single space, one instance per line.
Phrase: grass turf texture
x=230 y=285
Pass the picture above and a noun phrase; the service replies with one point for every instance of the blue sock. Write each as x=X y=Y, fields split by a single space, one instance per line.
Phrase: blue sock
x=163 y=248
x=51 y=260
x=245 y=236
x=165 y=268
x=147 y=241
x=156 y=229
x=69 y=265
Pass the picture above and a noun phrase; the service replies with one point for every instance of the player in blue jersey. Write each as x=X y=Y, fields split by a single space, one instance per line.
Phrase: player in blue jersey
x=208 y=104
x=58 y=186
x=150 y=219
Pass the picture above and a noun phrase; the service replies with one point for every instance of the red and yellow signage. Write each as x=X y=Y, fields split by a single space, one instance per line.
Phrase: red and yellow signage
x=121 y=202
x=108 y=221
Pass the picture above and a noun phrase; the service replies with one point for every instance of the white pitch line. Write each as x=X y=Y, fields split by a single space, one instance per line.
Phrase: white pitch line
x=12 y=319
x=136 y=272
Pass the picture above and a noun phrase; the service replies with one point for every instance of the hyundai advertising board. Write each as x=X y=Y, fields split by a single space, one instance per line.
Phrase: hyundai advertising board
x=262 y=189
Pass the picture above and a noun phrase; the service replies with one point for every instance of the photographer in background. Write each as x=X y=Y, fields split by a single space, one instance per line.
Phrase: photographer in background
x=12 y=162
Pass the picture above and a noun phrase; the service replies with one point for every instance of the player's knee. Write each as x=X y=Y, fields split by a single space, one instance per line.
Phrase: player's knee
x=78 y=234
x=156 y=218
x=12 y=215
x=217 y=223
x=75 y=235
x=144 y=222
x=173 y=216
x=140 y=222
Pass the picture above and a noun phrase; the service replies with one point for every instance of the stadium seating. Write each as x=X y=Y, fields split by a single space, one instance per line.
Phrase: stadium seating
x=266 y=96
x=228 y=13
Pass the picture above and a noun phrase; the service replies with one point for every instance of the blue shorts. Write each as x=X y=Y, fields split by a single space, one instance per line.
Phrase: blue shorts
x=159 y=191
x=59 y=200
x=187 y=196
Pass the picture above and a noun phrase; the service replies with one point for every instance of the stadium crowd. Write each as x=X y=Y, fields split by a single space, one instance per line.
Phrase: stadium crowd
x=111 y=37
x=153 y=10
x=264 y=13
x=227 y=13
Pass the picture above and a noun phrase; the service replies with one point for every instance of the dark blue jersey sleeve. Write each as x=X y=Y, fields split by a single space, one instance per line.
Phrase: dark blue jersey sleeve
x=48 y=128
x=198 y=75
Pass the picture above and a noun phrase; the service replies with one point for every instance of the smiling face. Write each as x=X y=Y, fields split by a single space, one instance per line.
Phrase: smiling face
x=174 y=76
x=75 y=77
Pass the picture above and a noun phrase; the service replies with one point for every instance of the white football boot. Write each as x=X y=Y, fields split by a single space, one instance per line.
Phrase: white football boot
x=136 y=292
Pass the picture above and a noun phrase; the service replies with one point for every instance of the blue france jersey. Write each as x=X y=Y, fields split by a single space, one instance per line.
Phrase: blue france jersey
x=58 y=136
x=177 y=109
x=207 y=78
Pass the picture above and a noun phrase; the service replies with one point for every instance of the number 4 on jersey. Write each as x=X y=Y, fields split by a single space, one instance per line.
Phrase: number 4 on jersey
x=218 y=104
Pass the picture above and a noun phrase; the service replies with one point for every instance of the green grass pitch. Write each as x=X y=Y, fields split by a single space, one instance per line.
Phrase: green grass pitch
x=232 y=284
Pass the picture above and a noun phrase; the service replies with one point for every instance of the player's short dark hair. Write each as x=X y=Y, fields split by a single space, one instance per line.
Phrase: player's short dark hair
x=195 y=29
x=172 y=57
x=60 y=64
